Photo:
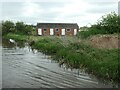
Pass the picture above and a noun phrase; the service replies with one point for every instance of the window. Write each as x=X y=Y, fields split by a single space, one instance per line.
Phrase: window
x=68 y=30
x=45 y=30
x=56 y=29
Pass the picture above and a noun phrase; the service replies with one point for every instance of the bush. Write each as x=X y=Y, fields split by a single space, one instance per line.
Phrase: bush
x=109 y=24
x=16 y=37
x=7 y=27
x=18 y=28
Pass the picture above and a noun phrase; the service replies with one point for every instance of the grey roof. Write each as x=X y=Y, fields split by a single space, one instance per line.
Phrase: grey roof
x=57 y=25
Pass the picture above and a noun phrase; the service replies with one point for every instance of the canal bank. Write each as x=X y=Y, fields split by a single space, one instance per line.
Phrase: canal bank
x=102 y=63
x=76 y=54
x=24 y=67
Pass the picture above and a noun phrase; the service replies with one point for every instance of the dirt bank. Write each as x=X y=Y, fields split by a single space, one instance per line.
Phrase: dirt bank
x=105 y=41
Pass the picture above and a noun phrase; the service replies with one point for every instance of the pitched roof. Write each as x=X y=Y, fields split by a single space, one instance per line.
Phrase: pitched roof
x=57 y=25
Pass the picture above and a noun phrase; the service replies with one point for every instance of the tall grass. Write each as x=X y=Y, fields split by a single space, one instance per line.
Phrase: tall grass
x=90 y=32
x=16 y=37
x=103 y=63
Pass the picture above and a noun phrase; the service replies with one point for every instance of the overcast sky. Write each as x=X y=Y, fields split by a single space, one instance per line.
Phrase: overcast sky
x=82 y=12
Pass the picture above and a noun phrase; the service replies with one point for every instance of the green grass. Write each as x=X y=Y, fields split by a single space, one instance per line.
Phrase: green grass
x=16 y=37
x=91 y=32
x=76 y=53
x=103 y=63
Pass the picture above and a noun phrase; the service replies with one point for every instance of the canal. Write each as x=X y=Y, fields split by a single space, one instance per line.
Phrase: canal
x=23 y=67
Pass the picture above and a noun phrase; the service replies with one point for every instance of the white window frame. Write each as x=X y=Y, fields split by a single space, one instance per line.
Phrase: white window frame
x=39 y=31
x=75 y=31
x=51 y=33
x=63 y=33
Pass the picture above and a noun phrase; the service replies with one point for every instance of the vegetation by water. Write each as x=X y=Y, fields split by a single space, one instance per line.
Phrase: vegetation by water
x=16 y=37
x=17 y=28
x=75 y=52
x=103 y=63
x=108 y=24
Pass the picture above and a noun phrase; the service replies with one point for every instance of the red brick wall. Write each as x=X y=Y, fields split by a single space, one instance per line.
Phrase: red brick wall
x=47 y=31
x=57 y=33
x=70 y=33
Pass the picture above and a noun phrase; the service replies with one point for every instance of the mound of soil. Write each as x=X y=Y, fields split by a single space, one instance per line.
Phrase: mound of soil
x=105 y=41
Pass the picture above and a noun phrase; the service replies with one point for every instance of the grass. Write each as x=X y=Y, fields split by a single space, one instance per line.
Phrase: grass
x=76 y=53
x=93 y=31
x=16 y=37
x=103 y=63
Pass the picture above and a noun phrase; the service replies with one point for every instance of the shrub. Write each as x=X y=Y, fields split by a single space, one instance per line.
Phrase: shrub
x=109 y=24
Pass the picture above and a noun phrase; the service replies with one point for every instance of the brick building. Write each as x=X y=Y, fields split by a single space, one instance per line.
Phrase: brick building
x=57 y=29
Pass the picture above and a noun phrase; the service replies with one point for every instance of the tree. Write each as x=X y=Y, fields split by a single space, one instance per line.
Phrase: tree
x=7 y=26
x=20 y=27
x=28 y=29
x=110 y=23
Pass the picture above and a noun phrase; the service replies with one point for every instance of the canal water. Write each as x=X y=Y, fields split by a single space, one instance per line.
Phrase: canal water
x=23 y=67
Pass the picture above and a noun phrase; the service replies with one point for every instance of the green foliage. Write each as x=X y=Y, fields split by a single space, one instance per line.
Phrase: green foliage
x=0 y=29
x=7 y=26
x=28 y=29
x=16 y=37
x=23 y=28
x=103 y=63
x=47 y=46
x=109 y=24
x=18 y=28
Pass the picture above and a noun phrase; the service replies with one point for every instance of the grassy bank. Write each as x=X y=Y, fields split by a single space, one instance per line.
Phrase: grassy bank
x=103 y=63
x=76 y=53
x=16 y=37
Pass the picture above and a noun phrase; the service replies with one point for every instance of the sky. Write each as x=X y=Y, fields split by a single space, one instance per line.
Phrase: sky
x=82 y=12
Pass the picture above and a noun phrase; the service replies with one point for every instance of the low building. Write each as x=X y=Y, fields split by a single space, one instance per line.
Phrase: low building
x=57 y=29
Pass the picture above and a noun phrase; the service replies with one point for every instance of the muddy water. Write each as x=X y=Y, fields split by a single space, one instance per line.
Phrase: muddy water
x=26 y=68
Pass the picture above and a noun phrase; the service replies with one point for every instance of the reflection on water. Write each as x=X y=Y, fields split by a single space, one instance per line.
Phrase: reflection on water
x=7 y=44
x=27 y=68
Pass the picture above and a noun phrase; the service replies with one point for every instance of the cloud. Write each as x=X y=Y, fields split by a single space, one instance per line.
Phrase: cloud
x=103 y=7
x=70 y=11
x=11 y=10
x=31 y=9
x=100 y=1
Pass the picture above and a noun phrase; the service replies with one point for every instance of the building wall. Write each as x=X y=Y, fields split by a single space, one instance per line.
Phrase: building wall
x=57 y=33
x=47 y=32
x=70 y=33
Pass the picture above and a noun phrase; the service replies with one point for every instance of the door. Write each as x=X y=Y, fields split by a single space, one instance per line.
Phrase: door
x=39 y=31
x=75 y=31
x=51 y=31
x=63 y=32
